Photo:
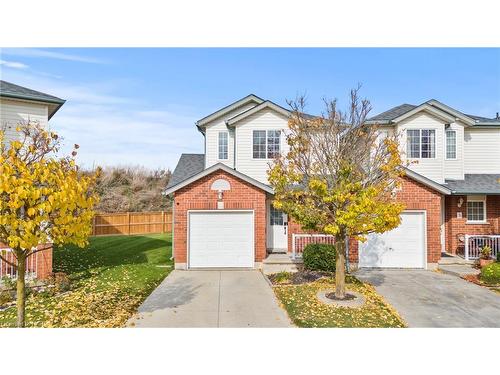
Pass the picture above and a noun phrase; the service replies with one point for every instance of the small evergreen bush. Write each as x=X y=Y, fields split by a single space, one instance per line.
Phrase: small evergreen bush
x=319 y=257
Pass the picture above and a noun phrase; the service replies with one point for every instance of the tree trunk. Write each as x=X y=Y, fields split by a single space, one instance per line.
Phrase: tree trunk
x=21 y=290
x=340 y=268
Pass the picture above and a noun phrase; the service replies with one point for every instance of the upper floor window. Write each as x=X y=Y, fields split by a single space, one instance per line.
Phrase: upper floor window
x=266 y=144
x=223 y=145
x=476 y=209
x=421 y=143
x=451 y=144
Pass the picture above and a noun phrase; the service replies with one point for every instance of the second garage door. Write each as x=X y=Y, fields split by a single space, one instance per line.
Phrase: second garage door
x=219 y=239
x=403 y=247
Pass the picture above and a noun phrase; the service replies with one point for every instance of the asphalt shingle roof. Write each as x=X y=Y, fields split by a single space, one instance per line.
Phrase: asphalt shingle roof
x=188 y=166
x=11 y=90
x=475 y=184
x=393 y=113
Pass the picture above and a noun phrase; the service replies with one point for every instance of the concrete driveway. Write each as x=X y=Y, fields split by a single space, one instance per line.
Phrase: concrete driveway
x=212 y=299
x=432 y=299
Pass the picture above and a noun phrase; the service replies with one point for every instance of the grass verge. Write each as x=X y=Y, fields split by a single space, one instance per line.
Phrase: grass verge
x=306 y=310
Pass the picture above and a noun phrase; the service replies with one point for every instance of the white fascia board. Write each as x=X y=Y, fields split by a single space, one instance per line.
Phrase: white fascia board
x=251 y=111
x=428 y=108
x=214 y=168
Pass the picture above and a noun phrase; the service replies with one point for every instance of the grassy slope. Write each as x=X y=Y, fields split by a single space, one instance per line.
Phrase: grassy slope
x=111 y=277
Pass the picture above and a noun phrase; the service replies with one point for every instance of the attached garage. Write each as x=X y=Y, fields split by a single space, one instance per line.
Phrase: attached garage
x=403 y=247
x=221 y=239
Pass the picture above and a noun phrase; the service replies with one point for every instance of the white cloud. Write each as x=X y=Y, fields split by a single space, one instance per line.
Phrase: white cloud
x=115 y=130
x=13 y=64
x=40 y=53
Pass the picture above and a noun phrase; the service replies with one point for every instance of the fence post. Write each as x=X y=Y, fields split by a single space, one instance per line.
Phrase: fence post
x=466 y=247
x=128 y=221
x=93 y=225
x=163 y=224
x=293 y=245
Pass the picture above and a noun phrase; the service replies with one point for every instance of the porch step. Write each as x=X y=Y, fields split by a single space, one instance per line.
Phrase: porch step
x=458 y=269
x=275 y=263
x=453 y=259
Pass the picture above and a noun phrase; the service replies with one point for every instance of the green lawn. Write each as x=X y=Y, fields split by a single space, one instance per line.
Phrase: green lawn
x=306 y=310
x=110 y=278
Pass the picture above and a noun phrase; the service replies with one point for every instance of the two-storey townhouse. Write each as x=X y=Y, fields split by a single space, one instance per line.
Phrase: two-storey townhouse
x=223 y=216
x=21 y=105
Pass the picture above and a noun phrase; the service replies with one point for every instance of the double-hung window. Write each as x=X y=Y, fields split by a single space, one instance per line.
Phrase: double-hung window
x=421 y=143
x=266 y=144
x=476 y=209
x=223 y=145
x=451 y=144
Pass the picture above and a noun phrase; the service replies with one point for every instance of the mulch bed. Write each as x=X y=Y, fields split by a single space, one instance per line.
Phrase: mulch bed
x=300 y=277
x=476 y=280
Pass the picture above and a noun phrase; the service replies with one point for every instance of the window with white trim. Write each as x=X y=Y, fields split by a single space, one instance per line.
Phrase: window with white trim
x=476 y=209
x=421 y=143
x=266 y=144
x=451 y=144
x=223 y=145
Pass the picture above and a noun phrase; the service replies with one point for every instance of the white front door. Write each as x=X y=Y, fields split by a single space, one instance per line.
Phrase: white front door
x=277 y=229
x=402 y=247
x=221 y=239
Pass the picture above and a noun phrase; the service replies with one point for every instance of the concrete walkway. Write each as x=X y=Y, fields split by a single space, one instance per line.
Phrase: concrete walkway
x=212 y=299
x=432 y=299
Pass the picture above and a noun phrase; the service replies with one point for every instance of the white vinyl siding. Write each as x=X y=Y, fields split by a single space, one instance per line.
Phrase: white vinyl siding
x=212 y=138
x=13 y=112
x=482 y=151
x=433 y=166
x=264 y=120
x=454 y=168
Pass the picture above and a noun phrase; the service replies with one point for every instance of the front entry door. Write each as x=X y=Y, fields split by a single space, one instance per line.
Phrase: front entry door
x=277 y=230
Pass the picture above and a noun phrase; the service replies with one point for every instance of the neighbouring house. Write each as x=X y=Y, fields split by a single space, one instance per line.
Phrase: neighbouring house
x=222 y=203
x=22 y=105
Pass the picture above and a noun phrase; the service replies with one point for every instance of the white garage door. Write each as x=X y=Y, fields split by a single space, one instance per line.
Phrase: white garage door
x=221 y=239
x=403 y=247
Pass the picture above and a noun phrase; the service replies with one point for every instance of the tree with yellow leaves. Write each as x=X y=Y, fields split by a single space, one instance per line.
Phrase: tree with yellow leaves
x=339 y=176
x=44 y=199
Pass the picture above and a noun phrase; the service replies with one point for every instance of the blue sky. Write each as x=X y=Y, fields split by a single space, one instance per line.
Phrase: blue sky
x=138 y=106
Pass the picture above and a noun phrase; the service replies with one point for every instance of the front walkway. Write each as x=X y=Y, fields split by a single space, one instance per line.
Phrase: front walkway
x=212 y=299
x=432 y=299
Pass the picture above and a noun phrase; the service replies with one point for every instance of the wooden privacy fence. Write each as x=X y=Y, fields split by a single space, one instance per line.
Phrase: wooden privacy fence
x=132 y=223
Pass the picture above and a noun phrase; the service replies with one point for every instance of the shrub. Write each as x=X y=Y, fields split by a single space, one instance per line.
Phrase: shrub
x=61 y=282
x=498 y=257
x=491 y=273
x=319 y=257
x=282 y=277
x=5 y=297
x=486 y=252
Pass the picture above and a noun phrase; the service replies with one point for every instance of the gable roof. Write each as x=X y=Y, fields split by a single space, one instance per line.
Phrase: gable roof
x=188 y=166
x=10 y=90
x=427 y=182
x=433 y=106
x=231 y=107
x=476 y=184
x=257 y=108
x=219 y=166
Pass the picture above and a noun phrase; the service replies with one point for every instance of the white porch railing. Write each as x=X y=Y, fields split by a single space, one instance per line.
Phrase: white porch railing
x=8 y=270
x=300 y=241
x=474 y=244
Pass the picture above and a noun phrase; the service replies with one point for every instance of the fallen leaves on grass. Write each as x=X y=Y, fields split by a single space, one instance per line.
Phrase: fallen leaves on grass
x=306 y=310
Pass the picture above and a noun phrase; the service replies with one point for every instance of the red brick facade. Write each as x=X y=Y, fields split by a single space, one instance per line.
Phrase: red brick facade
x=457 y=227
x=416 y=196
x=42 y=262
x=199 y=196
